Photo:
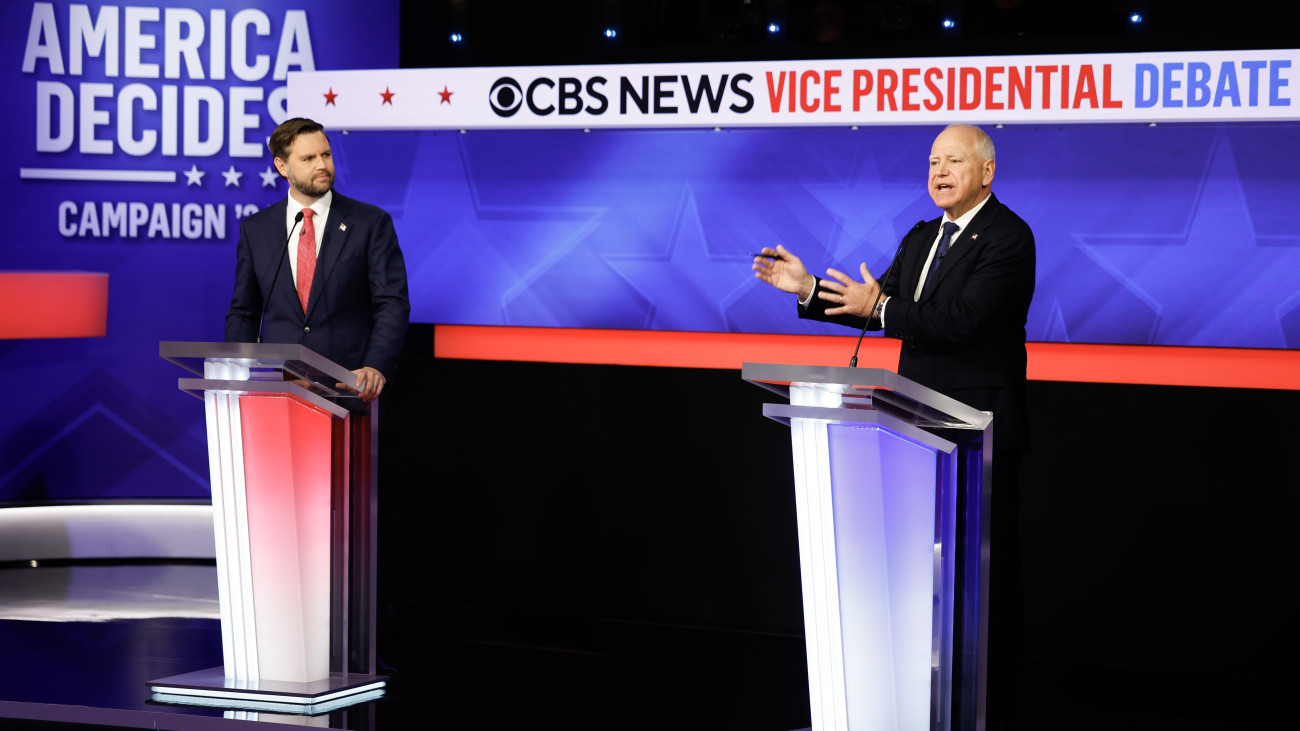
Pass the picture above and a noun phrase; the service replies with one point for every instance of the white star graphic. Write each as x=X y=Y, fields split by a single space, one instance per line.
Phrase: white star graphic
x=269 y=177
x=193 y=176
x=232 y=176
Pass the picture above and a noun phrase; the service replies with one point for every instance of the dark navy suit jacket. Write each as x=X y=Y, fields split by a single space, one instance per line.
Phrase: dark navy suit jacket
x=966 y=337
x=358 y=309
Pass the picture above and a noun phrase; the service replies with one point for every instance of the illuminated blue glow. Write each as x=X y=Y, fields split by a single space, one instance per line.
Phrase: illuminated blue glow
x=884 y=536
x=641 y=286
x=1135 y=18
x=773 y=28
x=457 y=38
x=949 y=23
x=611 y=33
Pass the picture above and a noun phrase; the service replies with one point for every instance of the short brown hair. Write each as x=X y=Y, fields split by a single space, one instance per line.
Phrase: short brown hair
x=284 y=135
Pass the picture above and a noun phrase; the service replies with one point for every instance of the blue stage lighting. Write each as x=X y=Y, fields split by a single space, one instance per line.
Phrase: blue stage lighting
x=457 y=38
x=611 y=33
x=949 y=23
x=773 y=28
x=1135 y=18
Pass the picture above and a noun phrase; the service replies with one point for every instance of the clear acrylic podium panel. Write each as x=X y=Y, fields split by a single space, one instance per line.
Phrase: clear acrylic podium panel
x=878 y=496
x=262 y=363
x=294 y=556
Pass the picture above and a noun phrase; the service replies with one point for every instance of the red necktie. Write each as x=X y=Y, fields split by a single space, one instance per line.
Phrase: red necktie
x=306 y=256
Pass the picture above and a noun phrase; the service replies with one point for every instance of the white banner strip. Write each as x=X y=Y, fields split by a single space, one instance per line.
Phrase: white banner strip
x=117 y=176
x=1208 y=86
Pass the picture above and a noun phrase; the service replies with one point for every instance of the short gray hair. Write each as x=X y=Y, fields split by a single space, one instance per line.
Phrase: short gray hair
x=983 y=143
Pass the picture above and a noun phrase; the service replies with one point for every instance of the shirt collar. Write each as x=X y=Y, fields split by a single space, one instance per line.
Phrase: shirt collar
x=321 y=206
x=966 y=217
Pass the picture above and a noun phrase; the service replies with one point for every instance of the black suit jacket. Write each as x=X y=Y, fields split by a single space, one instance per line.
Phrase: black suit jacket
x=358 y=309
x=966 y=337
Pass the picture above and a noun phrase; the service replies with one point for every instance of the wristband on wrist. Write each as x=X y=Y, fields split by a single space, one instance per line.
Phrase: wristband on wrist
x=880 y=308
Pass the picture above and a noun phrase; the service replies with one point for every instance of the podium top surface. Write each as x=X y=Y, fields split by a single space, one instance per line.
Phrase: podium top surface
x=871 y=388
x=264 y=360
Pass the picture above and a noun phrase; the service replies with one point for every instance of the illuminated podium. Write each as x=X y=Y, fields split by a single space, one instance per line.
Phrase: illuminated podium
x=892 y=495
x=294 y=497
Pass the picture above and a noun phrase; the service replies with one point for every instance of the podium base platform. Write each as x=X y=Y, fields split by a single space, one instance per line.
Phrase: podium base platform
x=212 y=689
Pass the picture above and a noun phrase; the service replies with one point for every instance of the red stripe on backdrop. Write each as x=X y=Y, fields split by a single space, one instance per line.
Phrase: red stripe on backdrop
x=53 y=305
x=1139 y=364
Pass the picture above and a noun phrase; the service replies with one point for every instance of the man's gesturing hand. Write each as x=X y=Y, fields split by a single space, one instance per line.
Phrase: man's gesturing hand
x=783 y=270
x=851 y=297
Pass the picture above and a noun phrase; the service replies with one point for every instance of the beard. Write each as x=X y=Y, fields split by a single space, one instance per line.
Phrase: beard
x=313 y=186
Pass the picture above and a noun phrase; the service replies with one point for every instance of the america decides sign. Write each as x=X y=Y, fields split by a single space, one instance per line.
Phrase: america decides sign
x=168 y=102
x=136 y=142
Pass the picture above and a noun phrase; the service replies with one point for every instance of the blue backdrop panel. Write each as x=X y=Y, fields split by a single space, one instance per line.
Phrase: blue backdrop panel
x=101 y=417
x=1168 y=235
x=1176 y=234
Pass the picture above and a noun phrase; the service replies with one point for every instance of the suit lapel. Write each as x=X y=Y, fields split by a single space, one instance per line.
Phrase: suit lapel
x=337 y=229
x=967 y=241
x=273 y=245
x=915 y=258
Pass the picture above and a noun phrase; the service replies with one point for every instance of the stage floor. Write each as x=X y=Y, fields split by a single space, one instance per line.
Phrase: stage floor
x=77 y=645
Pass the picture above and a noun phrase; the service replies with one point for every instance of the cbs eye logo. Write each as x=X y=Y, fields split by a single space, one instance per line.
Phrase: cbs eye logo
x=506 y=97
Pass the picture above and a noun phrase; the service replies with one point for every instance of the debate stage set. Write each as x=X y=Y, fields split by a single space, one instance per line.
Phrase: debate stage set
x=617 y=482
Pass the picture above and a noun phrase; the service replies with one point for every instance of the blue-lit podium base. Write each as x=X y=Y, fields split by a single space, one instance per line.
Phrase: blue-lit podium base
x=890 y=643
x=211 y=688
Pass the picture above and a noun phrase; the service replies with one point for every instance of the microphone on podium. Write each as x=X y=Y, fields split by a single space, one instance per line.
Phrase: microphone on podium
x=284 y=254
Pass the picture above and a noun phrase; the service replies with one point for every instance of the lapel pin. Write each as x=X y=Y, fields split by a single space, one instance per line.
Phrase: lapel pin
x=343 y=227
x=974 y=236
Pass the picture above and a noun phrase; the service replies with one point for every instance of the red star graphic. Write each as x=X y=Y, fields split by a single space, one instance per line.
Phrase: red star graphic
x=329 y=98
x=387 y=95
x=446 y=95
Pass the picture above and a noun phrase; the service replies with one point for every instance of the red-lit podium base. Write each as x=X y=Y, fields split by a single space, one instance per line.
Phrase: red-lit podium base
x=280 y=456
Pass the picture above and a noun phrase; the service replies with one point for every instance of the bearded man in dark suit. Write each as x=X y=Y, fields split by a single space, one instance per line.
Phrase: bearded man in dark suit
x=343 y=293
x=962 y=323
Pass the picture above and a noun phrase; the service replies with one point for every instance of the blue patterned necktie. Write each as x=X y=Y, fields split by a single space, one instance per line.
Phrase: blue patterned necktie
x=949 y=228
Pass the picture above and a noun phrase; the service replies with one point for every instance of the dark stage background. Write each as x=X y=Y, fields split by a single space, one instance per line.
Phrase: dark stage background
x=648 y=514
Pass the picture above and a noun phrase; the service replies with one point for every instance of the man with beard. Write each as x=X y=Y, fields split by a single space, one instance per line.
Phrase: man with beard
x=343 y=293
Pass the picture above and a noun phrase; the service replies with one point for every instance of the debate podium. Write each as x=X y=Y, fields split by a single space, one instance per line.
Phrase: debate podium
x=892 y=495
x=292 y=455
